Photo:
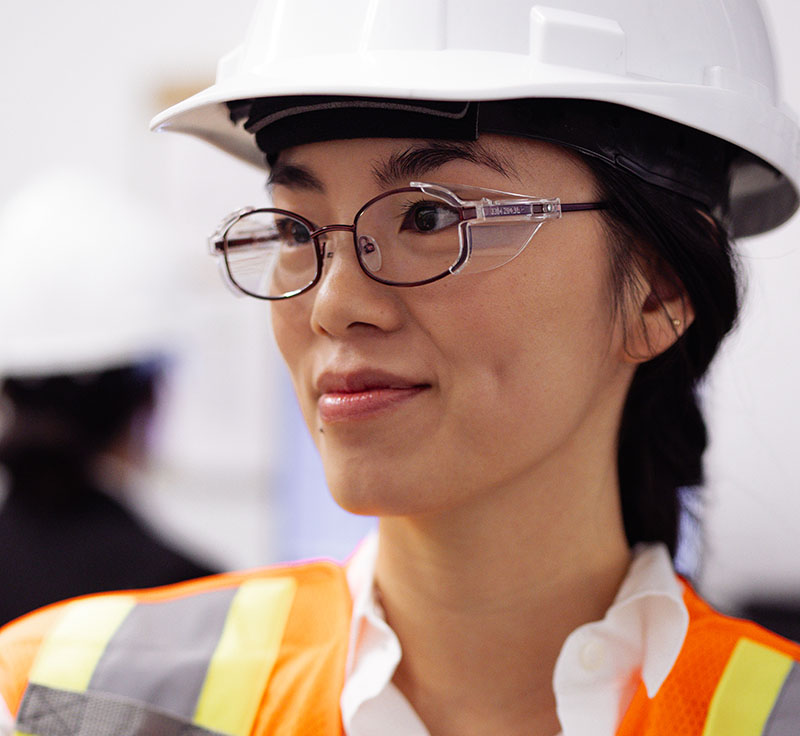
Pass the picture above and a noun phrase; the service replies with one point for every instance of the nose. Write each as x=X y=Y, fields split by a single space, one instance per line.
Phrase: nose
x=346 y=299
x=332 y=237
x=368 y=252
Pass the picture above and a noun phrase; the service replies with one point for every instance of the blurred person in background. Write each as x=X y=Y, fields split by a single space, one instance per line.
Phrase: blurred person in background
x=499 y=260
x=85 y=315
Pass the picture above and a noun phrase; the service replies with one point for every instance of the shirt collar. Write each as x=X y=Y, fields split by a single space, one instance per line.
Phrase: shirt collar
x=655 y=593
x=640 y=637
x=600 y=663
x=373 y=651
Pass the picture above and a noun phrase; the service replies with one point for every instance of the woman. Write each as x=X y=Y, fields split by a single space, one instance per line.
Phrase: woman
x=496 y=281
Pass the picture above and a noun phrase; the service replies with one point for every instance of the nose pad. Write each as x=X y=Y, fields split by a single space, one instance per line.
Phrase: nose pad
x=369 y=253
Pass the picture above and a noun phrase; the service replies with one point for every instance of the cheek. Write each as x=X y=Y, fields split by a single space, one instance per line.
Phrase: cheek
x=290 y=325
x=533 y=343
x=283 y=327
x=544 y=309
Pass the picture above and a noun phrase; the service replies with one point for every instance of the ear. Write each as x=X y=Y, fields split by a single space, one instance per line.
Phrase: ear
x=657 y=315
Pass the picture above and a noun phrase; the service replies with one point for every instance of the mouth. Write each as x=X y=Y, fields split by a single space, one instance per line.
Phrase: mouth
x=363 y=394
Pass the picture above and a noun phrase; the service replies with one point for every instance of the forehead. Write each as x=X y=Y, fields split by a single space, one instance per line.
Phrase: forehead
x=391 y=162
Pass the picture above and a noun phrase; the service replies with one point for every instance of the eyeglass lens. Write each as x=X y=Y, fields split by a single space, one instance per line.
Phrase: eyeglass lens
x=403 y=238
x=269 y=254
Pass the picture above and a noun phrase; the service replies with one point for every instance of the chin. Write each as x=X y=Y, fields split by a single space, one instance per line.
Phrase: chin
x=372 y=499
x=383 y=492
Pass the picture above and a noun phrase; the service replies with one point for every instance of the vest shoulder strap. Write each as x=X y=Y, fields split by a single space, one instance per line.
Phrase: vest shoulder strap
x=732 y=678
x=216 y=656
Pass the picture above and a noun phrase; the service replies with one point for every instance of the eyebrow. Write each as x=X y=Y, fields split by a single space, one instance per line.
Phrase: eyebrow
x=295 y=176
x=418 y=159
x=400 y=168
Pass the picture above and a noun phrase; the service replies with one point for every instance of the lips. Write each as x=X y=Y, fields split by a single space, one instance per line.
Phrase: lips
x=362 y=394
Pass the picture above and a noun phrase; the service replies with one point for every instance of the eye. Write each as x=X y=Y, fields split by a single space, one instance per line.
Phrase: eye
x=428 y=217
x=293 y=232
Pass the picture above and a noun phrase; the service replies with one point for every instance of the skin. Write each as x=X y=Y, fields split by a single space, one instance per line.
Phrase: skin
x=496 y=484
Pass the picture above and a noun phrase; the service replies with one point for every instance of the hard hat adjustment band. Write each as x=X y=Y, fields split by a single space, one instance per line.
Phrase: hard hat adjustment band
x=666 y=154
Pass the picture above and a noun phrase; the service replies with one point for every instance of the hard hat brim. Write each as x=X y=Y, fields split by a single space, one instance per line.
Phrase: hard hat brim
x=745 y=123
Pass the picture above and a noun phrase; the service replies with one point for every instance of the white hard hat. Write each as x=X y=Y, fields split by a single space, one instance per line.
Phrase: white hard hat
x=705 y=64
x=85 y=280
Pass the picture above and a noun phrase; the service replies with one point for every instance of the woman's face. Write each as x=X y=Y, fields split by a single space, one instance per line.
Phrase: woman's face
x=426 y=398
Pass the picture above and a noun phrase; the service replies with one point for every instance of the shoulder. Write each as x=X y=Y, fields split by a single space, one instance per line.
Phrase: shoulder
x=256 y=608
x=731 y=676
x=305 y=579
x=718 y=634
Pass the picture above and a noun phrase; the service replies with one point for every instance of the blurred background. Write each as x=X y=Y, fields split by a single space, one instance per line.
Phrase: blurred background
x=232 y=478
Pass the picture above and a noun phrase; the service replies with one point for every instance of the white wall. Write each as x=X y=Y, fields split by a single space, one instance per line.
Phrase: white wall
x=79 y=82
x=753 y=520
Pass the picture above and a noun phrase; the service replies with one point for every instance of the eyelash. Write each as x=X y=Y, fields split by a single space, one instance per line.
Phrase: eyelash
x=409 y=206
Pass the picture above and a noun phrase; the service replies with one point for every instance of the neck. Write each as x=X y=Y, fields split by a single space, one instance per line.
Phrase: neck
x=483 y=598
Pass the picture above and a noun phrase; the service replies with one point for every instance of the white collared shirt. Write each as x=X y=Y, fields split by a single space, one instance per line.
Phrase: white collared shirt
x=596 y=673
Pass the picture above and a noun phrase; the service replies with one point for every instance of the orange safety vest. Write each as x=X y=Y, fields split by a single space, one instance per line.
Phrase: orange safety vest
x=264 y=652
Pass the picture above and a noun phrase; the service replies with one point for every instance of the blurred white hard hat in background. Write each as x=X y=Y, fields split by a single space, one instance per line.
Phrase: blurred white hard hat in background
x=87 y=281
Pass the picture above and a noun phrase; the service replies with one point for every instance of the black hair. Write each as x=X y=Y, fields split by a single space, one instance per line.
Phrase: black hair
x=663 y=434
x=59 y=424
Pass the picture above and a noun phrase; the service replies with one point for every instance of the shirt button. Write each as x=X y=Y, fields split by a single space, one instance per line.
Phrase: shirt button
x=593 y=655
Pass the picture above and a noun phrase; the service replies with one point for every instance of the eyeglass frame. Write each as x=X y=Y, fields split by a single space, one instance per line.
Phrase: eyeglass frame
x=539 y=210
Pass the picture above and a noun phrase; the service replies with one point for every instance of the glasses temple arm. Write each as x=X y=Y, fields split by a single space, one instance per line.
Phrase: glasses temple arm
x=584 y=206
x=218 y=243
x=544 y=208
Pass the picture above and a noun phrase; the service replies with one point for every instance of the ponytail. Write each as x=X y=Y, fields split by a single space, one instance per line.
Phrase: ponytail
x=663 y=434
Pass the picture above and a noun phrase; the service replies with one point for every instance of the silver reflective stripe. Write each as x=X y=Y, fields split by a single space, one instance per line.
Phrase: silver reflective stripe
x=49 y=712
x=784 y=720
x=160 y=653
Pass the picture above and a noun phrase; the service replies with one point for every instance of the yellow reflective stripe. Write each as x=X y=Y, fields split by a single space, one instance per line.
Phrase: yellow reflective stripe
x=747 y=690
x=71 y=651
x=245 y=655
